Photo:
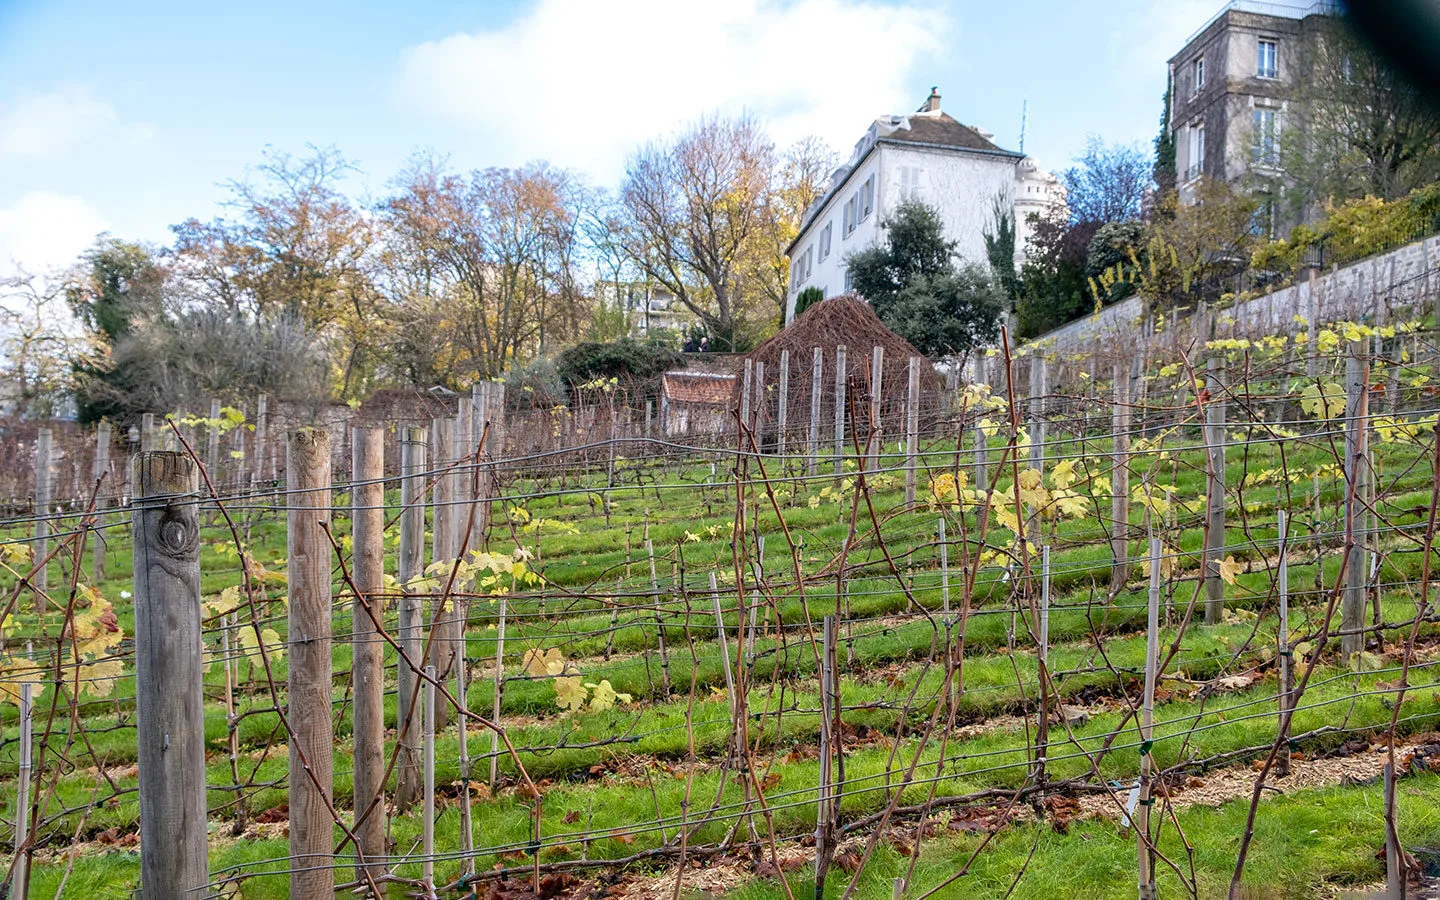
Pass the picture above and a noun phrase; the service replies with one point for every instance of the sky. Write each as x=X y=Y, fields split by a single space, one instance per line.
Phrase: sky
x=130 y=117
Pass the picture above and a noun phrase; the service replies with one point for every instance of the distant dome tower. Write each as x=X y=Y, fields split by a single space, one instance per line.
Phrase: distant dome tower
x=1038 y=193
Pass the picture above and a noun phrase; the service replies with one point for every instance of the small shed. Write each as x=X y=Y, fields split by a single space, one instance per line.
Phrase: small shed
x=697 y=399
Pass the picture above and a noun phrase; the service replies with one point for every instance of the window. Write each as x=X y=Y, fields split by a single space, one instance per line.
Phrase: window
x=1196 y=158
x=849 y=284
x=1262 y=224
x=1267 y=65
x=1267 y=144
x=910 y=182
x=867 y=198
x=850 y=217
x=1198 y=70
x=825 y=241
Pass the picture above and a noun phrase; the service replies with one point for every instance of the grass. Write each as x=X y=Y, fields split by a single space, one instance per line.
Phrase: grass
x=620 y=776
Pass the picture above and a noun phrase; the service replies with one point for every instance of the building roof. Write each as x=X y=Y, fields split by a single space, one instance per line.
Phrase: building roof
x=708 y=388
x=1280 y=9
x=928 y=127
x=939 y=130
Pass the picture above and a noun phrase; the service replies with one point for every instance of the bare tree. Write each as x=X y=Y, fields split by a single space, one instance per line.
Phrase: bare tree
x=40 y=342
x=796 y=183
x=488 y=259
x=1108 y=183
x=691 y=210
x=1355 y=127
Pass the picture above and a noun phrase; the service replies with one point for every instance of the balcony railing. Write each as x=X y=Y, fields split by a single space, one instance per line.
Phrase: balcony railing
x=1194 y=172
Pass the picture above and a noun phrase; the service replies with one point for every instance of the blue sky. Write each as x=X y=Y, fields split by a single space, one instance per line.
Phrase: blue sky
x=129 y=117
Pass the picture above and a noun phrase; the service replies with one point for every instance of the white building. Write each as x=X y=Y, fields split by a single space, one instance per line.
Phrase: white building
x=926 y=155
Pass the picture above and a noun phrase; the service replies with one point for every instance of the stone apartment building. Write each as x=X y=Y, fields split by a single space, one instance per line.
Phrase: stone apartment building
x=1231 y=89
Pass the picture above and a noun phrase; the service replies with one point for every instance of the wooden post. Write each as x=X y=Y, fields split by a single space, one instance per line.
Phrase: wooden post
x=782 y=411
x=20 y=882
x=1147 y=720
x=312 y=739
x=1042 y=655
x=445 y=546
x=264 y=466
x=1215 y=490
x=147 y=433
x=1120 y=481
x=659 y=623
x=499 y=687
x=724 y=647
x=877 y=374
x=43 y=446
x=649 y=418
x=101 y=472
x=840 y=380
x=1287 y=665
x=367 y=672
x=1038 y=390
x=944 y=570
x=412 y=563
x=825 y=814
x=1312 y=329
x=817 y=371
x=912 y=427
x=427 y=820
x=757 y=407
x=212 y=442
x=1357 y=379
x=747 y=382
x=1395 y=875
x=169 y=676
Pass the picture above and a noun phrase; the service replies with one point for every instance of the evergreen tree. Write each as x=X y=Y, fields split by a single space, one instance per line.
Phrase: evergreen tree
x=919 y=292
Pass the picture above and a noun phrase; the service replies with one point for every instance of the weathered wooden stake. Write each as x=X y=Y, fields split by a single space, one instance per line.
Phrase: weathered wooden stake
x=101 y=471
x=1287 y=666
x=747 y=384
x=367 y=672
x=427 y=834
x=912 y=427
x=944 y=570
x=659 y=623
x=499 y=688
x=43 y=446
x=1120 y=482
x=840 y=380
x=782 y=411
x=724 y=647
x=20 y=882
x=1147 y=720
x=147 y=433
x=877 y=374
x=264 y=464
x=412 y=563
x=169 y=676
x=445 y=546
x=1215 y=490
x=1357 y=568
x=817 y=371
x=312 y=740
x=1042 y=729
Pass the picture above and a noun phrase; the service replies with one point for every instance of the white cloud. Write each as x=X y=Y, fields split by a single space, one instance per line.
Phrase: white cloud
x=1164 y=26
x=582 y=82
x=45 y=231
x=42 y=124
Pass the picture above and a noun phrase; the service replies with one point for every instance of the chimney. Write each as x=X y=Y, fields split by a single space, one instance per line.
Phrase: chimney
x=932 y=103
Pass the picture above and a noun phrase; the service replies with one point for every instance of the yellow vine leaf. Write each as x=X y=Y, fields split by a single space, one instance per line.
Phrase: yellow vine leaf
x=569 y=692
x=605 y=696
x=1229 y=568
